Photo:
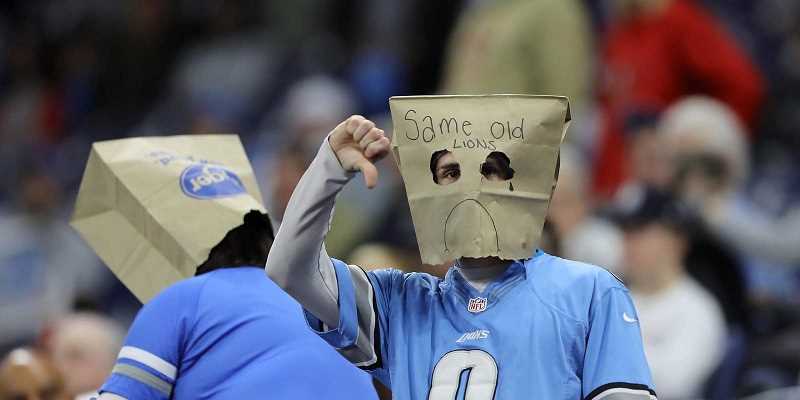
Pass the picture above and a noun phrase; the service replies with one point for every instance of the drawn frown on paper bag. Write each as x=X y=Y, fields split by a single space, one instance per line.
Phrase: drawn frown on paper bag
x=478 y=170
x=152 y=207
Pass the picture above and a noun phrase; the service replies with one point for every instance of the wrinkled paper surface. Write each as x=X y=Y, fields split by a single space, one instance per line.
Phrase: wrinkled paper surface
x=475 y=217
x=152 y=207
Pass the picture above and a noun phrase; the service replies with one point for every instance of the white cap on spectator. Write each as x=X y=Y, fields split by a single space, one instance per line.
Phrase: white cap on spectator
x=702 y=124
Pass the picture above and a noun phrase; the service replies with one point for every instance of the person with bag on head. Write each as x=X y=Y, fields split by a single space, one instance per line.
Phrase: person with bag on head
x=508 y=321
x=230 y=333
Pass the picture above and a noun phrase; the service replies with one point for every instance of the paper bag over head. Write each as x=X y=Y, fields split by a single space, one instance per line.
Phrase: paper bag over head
x=505 y=150
x=153 y=207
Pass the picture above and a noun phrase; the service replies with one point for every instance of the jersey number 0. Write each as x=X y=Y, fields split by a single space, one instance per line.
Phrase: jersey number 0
x=481 y=376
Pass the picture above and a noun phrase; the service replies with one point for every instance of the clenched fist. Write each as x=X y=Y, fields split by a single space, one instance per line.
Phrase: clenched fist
x=357 y=144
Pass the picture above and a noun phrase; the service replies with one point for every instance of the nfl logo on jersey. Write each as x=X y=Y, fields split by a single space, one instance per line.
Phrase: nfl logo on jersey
x=477 y=305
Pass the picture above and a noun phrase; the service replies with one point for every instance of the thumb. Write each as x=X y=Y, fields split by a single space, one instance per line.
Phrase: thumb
x=369 y=171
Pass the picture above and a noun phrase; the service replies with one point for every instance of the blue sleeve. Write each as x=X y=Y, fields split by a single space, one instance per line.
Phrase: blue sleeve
x=386 y=283
x=363 y=317
x=614 y=362
x=148 y=363
x=346 y=331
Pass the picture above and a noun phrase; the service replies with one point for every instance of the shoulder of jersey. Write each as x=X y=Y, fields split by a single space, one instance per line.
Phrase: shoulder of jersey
x=422 y=280
x=570 y=286
x=569 y=272
x=410 y=280
x=179 y=291
x=191 y=283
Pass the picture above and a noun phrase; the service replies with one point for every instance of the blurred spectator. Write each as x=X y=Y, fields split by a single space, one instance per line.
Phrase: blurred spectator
x=138 y=48
x=518 y=46
x=21 y=106
x=697 y=127
x=774 y=27
x=711 y=173
x=312 y=106
x=706 y=136
x=84 y=348
x=582 y=235
x=375 y=256
x=27 y=375
x=399 y=47
x=223 y=82
x=694 y=126
x=217 y=87
x=711 y=170
x=648 y=162
x=280 y=181
x=290 y=138
x=683 y=327
x=769 y=243
x=655 y=52
x=44 y=266
x=662 y=152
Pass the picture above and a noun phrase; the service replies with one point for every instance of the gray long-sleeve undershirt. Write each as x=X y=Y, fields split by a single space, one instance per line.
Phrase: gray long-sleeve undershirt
x=297 y=260
x=300 y=265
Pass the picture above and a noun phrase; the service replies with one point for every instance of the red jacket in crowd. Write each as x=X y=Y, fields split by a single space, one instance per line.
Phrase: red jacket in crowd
x=652 y=60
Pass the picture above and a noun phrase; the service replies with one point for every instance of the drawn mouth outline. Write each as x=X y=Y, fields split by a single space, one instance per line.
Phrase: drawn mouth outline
x=496 y=235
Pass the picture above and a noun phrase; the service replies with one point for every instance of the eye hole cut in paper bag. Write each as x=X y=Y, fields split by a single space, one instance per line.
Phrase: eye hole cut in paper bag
x=153 y=207
x=506 y=150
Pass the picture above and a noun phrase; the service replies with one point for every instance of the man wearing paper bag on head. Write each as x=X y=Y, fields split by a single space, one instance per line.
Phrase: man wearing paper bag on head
x=179 y=220
x=508 y=321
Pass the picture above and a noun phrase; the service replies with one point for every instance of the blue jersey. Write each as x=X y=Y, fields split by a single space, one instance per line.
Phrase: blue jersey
x=230 y=334
x=549 y=328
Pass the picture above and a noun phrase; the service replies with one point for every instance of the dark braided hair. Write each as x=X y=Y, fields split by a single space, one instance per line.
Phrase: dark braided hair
x=246 y=245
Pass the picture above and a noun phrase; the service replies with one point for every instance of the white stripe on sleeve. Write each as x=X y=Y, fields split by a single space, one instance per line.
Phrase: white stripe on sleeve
x=149 y=359
x=625 y=394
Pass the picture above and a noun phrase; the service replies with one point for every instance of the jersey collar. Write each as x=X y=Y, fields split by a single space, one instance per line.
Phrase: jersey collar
x=463 y=291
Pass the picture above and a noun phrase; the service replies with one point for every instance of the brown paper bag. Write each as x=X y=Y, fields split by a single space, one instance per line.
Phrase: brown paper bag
x=475 y=216
x=152 y=207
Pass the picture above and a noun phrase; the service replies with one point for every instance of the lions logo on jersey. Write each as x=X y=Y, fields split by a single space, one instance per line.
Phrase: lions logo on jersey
x=208 y=181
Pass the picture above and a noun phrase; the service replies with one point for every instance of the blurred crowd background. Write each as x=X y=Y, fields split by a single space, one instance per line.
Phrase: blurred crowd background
x=680 y=173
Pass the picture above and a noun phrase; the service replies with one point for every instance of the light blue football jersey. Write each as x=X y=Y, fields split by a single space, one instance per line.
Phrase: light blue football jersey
x=549 y=328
